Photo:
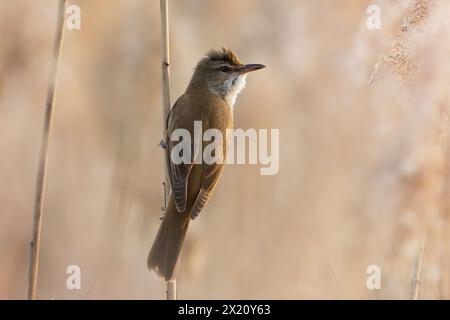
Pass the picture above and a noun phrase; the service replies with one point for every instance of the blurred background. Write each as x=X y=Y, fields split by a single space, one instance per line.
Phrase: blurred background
x=364 y=149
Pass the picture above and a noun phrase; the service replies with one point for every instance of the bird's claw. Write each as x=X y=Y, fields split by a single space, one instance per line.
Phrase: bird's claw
x=163 y=144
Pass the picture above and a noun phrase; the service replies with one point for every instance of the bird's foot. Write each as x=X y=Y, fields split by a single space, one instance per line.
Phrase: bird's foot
x=163 y=144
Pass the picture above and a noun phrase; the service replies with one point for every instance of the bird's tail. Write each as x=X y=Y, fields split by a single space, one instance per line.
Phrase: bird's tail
x=166 y=248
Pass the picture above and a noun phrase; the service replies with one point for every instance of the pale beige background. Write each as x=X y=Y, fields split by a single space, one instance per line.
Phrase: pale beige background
x=363 y=169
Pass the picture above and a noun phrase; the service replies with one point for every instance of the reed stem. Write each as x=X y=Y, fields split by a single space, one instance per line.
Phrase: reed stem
x=43 y=157
x=165 y=65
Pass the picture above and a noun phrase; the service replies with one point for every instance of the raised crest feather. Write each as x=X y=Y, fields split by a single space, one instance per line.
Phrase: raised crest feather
x=224 y=54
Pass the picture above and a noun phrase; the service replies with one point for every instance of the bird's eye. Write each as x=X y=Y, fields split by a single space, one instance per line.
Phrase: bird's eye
x=224 y=68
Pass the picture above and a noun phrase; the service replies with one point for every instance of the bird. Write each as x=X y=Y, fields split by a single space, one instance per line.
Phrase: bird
x=211 y=94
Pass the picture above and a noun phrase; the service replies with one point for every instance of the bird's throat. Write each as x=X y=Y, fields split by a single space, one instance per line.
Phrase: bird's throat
x=230 y=89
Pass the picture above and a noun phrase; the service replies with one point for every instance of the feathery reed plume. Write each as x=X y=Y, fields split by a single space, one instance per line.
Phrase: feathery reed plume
x=399 y=59
x=42 y=166
x=165 y=64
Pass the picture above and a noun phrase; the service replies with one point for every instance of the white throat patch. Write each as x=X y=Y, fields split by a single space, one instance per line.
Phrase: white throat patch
x=234 y=88
x=231 y=89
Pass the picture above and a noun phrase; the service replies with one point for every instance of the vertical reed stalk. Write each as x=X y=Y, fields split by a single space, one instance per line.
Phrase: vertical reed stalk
x=171 y=290
x=165 y=64
x=42 y=165
x=415 y=283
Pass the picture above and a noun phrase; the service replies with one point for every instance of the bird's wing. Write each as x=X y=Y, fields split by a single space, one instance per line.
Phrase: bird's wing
x=211 y=172
x=178 y=173
x=210 y=177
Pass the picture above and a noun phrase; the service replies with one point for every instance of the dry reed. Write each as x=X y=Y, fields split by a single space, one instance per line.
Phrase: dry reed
x=415 y=283
x=165 y=65
x=43 y=158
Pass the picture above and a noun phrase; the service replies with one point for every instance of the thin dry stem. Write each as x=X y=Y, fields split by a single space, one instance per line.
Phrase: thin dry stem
x=43 y=158
x=165 y=65
x=165 y=68
x=171 y=291
x=415 y=283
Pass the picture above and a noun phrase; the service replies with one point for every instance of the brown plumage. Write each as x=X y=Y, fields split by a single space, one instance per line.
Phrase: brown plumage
x=209 y=98
x=224 y=54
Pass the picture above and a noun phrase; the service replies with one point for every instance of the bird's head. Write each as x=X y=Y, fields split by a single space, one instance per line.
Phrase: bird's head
x=223 y=74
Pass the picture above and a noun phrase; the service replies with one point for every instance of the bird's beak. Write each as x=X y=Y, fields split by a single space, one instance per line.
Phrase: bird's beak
x=250 y=67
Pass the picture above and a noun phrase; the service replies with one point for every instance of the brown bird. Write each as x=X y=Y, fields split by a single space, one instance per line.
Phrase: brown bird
x=210 y=97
